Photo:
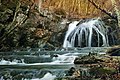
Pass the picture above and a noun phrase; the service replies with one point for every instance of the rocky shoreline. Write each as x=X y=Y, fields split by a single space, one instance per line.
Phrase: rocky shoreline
x=95 y=67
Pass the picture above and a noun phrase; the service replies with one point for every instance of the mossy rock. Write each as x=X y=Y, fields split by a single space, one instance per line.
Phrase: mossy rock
x=87 y=60
x=98 y=71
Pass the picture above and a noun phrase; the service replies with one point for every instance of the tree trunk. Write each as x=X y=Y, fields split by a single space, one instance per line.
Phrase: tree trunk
x=117 y=11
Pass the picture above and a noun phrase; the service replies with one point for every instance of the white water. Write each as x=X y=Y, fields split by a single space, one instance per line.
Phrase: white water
x=85 y=30
x=7 y=62
x=68 y=58
x=47 y=76
x=72 y=26
x=64 y=59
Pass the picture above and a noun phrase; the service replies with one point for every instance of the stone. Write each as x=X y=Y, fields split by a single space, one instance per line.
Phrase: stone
x=87 y=60
x=73 y=72
x=114 y=51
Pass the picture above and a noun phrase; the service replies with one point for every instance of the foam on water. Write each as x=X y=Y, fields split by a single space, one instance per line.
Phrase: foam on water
x=7 y=62
x=64 y=59
x=47 y=76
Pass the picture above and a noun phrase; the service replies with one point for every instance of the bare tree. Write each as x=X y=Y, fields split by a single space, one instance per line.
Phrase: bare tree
x=102 y=9
x=117 y=11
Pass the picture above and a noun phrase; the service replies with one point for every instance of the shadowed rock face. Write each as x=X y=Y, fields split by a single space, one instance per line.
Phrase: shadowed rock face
x=37 y=30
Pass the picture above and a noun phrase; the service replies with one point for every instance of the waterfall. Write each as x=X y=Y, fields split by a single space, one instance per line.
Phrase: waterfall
x=91 y=33
x=72 y=26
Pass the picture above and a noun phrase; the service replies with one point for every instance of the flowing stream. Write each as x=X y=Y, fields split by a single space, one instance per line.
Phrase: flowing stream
x=33 y=64
x=40 y=64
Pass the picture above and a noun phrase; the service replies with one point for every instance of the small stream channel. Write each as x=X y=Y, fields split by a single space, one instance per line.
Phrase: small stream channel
x=41 y=64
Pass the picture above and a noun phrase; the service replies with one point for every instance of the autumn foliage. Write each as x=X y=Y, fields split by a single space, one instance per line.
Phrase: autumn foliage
x=79 y=8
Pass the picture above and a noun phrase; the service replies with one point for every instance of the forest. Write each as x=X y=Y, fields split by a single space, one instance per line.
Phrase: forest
x=34 y=23
x=30 y=30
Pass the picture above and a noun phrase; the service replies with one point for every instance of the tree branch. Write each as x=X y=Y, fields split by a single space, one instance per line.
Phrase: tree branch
x=103 y=10
x=114 y=3
x=14 y=24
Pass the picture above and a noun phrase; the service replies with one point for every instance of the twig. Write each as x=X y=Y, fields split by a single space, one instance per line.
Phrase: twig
x=103 y=10
x=14 y=24
x=14 y=19
x=11 y=24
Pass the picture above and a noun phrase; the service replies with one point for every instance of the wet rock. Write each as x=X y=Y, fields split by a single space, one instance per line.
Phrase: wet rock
x=40 y=29
x=73 y=72
x=54 y=55
x=102 y=72
x=115 y=51
x=105 y=67
x=87 y=60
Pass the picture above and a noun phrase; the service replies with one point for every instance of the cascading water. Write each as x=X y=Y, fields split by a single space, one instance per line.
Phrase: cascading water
x=82 y=34
x=72 y=26
x=40 y=64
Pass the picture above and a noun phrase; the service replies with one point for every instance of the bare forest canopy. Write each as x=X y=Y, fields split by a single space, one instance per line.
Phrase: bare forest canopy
x=37 y=23
x=80 y=8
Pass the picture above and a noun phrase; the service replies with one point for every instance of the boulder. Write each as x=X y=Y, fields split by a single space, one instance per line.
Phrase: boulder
x=114 y=51
x=87 y=60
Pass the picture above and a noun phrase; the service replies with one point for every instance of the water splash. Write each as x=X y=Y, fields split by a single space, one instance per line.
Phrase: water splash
x=72 y=26
x=47 y=76
x=7 y=62
x=64 y=59
x=82 y=34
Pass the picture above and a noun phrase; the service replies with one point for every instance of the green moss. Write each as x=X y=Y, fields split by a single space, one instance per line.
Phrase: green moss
x=102 y=71
x=11 y=4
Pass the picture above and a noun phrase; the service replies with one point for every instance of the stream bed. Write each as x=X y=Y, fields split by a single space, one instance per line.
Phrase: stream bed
x=40 y=64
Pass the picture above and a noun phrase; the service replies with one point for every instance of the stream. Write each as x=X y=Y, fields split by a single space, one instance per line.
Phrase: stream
x=41 y=64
